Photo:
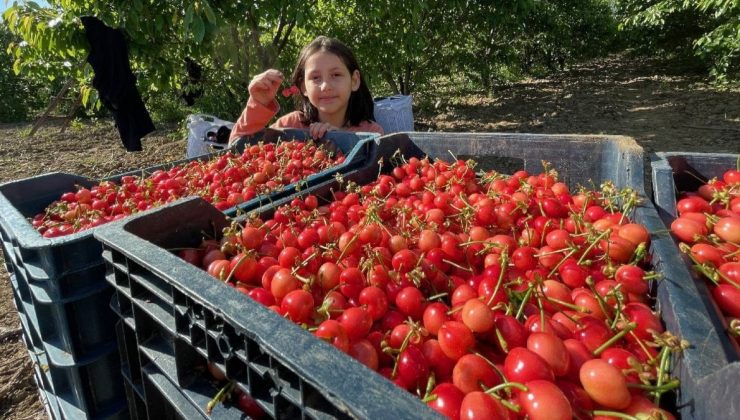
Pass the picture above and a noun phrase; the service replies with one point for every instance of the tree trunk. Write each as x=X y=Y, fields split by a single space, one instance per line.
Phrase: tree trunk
x=407 y=77
x=388 y=77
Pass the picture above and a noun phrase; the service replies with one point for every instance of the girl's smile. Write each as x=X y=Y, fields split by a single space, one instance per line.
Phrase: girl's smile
x=328 y=85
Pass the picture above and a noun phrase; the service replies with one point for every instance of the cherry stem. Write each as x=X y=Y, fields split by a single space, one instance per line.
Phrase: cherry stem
x=639 y=253
x=628 y=206
x=616 y=414
x=557 y=251
x=663 y=388
x=593 y=244
x=735 y=327
x=599 y=299
x=572 y=319
x=431 y=383
x=493 y=365
x=567 y=305
x=617 y=315
x=511 y=406
x=504 y=264
x=665 y=354
x=429 y=398
x=527 y=296
x=233 y=270
x=351 y=241
x=404 y=344
x=618 y=336
x=732 y=254
x=652 y=276
x=220 y=396
x=710 y=273
x=455 y=309
x=542 y=313
x=506 y=385
x=437 y=296
x=505 y=346
x=454 y=264
x=305 y=262
x=642 y=346
x=562 y=260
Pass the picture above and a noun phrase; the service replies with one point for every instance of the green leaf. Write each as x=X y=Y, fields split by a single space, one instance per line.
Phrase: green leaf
x=188 y=16
x=133 y=27
x=209 y=12
x=199 y=29
x=85 y=94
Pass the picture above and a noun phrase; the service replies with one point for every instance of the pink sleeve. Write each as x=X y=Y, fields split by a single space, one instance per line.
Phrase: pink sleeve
x=253 y=119
x=368 y=127
x=292 y=120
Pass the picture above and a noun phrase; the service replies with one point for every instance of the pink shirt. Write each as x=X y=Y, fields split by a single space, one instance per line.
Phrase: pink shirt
x=256 y=116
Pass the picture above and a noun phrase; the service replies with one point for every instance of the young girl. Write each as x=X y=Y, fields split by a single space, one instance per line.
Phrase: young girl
x=333 y=94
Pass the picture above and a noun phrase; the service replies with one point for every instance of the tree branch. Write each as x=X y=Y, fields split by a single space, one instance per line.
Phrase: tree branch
x=281 y=24
x=284 y=41
x=254 y=33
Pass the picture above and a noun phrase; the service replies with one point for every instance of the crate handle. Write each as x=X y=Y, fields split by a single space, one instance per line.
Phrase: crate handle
x=224 y=346
x=192 y=318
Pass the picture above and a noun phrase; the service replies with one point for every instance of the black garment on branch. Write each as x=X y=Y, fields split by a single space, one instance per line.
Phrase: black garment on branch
x=116 y=83
x=192 y=86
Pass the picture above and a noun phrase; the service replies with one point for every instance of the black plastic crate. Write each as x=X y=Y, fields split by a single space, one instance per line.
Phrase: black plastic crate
x=674 y=173
x=183 y=300
x=60 y=281
x=677 y=172
x=176 y=328
x=166 y=297
x=38 y=361
x=705 y=367
x=65 y=389
x=154 y=391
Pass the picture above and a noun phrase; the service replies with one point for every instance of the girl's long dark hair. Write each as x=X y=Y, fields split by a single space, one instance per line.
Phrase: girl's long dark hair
x=361 y=106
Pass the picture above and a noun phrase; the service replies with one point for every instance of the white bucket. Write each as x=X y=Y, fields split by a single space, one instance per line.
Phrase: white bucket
x=199 y=126
x=394 y=113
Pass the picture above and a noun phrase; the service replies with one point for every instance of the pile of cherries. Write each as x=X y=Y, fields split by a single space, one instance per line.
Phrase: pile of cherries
x=708 y=226
x=486 y=295
x=225 y=181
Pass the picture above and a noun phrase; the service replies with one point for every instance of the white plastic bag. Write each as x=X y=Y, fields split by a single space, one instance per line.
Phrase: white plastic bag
x=199 y=125
x=394 y=113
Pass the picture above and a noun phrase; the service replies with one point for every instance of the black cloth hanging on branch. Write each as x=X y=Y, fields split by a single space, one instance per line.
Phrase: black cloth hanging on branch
x=116 y=83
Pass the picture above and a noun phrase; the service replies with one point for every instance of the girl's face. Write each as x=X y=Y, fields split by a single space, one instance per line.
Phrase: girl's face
x=328 y=85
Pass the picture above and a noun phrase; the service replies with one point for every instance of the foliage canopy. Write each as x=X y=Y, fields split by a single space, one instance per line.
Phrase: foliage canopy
x=403 y=45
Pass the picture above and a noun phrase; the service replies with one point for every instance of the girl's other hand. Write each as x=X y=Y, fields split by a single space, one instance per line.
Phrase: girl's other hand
x=319 y=129
x=264 y=86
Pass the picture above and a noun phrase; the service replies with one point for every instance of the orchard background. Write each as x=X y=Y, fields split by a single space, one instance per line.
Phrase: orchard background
x=664 y=72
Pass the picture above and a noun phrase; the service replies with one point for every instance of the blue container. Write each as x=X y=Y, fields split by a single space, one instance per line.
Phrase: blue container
x=60 y=281
x=356 y=147
x=713 y=383
x=677 y=172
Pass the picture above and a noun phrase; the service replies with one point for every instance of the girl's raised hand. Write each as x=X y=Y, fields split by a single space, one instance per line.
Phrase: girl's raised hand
x=319 y=129
x=264 y=86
